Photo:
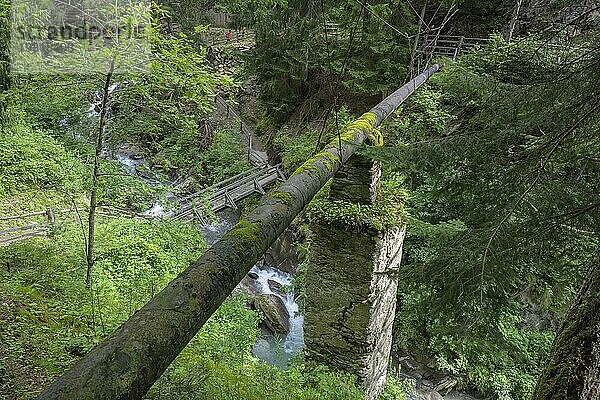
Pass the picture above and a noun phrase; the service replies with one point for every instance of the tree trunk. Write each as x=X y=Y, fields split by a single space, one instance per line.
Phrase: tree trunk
x=513 y=21
x=573 y=367
x=95 y=176
x=5 y=27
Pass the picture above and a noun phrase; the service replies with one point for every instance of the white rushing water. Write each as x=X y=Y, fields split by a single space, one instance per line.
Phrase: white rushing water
x=294 y=340
x=157 y=210
x=129 y=163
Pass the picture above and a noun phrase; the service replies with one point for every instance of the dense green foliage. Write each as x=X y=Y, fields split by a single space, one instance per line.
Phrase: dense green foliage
x=185 y=15
x=504 y=209
x=49 y=320
x=225 y=157
x=34 y=160
x=162 y=110
x=386 y=213
x=300 y=62
x=498 y=153
x=247 y=13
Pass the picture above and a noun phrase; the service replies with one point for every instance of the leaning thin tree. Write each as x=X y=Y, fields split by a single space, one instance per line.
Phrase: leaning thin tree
x=5 y=26
x=99 y=145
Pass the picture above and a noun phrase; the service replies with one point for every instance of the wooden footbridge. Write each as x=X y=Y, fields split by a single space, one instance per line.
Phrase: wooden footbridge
x=227 y=194
x=450 y=46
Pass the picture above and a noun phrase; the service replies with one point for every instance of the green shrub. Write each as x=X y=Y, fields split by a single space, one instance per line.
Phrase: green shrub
x=48 y=319
x=385 y=213
x=31 y=159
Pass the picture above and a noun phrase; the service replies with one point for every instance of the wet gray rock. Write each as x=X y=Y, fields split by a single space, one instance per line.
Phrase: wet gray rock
x=423 y=394
x=276 y=315
x=454 y=395
x=427 y=383
x=248 y=287
x=425 y=376
x=283 y=254
x=445 y=385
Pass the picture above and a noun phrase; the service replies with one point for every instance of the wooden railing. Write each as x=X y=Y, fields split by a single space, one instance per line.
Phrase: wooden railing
x=256 y=158
x=450 y=46
x=39 y=228
x=7 y=236
x=228 y=192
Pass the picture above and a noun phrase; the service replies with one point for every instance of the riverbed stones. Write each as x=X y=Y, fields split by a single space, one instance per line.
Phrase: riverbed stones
x=422 y=371
x=283 y=253
x=248 y=287
x=276 y=287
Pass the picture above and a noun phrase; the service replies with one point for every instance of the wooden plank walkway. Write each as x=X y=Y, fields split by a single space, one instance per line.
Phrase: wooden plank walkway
x=227 y=193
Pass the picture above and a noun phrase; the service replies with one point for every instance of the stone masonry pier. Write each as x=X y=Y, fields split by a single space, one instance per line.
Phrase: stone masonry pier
x=351 y=284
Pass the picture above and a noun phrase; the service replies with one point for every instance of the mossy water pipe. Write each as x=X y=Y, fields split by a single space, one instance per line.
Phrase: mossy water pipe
x=127 y=363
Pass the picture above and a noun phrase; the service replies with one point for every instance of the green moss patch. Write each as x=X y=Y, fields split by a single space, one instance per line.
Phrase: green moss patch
x=283 y=196
x=387 y=212
x=247 y=234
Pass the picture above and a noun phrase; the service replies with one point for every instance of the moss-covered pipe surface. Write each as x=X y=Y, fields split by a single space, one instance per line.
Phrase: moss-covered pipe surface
x=131 y=359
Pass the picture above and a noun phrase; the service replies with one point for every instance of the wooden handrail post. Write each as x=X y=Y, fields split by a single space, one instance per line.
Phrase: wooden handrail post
x=459 y=47
x=51 y=215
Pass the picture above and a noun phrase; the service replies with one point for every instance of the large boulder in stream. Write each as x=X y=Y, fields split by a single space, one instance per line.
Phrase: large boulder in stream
x=277 y=317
